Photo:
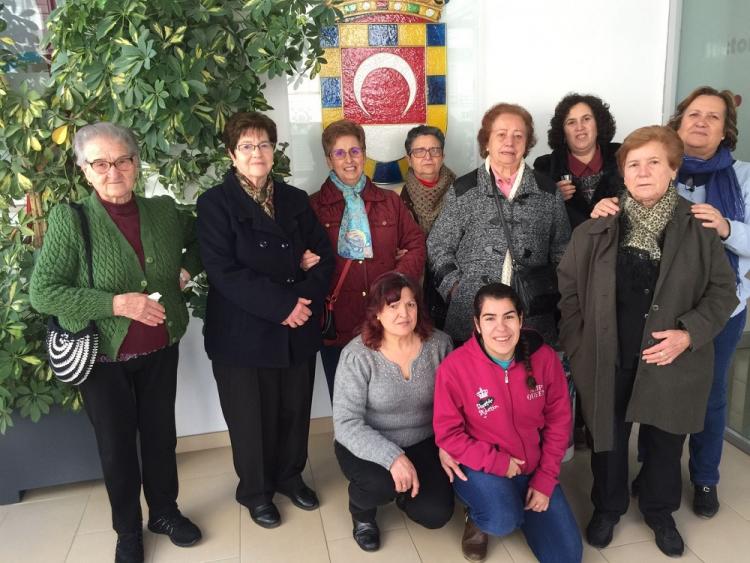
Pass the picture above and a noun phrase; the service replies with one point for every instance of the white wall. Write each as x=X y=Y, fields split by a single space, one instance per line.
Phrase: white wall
x=530 y=52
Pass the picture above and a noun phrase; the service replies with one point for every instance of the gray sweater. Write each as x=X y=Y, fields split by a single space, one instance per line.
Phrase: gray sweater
x=376 y=412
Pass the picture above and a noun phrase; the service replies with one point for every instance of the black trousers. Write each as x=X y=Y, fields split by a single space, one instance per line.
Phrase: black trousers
x=126 y=400
x=267 y=411
x=660 y=477
x=371 y=485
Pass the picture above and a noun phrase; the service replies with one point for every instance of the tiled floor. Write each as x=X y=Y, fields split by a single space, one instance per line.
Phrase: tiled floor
x=72 y=523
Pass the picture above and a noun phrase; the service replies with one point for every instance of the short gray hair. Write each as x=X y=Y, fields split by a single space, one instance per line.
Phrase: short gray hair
x=103 y=129
x=420 y=130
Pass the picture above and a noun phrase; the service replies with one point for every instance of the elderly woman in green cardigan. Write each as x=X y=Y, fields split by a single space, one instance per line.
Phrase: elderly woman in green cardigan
x=140 y=247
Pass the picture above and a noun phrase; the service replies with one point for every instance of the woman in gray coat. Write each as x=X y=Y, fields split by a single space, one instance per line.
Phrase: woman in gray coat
x=467 y=247
x=643 y=293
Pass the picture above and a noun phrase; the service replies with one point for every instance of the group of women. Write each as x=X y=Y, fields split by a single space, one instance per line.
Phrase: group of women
x=645 y=290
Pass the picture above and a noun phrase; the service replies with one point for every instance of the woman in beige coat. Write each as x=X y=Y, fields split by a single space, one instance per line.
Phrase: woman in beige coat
x=643 y=293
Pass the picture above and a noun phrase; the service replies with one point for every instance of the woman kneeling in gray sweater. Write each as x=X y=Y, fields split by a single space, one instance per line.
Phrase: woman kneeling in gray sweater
x=382 y=412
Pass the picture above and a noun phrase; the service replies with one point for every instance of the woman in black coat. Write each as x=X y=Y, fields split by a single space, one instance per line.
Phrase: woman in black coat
x=262 y=327
x=582 y=161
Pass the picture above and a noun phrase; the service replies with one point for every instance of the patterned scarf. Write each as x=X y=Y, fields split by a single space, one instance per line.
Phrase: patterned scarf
x=645 y=226
x=428 y=202
x=722 y=190
x=355 y=240
x=263 y=196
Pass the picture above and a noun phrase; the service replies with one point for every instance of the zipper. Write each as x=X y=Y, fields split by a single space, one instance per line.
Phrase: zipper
x=513 y=420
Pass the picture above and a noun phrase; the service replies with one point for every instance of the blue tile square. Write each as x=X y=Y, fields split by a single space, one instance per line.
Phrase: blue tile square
x=435 y=90
x=382 y=35
x=329 y=37
x=436 y=34
x=330 y=92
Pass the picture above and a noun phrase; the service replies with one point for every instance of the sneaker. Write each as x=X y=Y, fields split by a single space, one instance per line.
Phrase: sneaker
x=129 y=548
x=180 y=530
x=705 y=501
x=669 y=540
x=600 y=530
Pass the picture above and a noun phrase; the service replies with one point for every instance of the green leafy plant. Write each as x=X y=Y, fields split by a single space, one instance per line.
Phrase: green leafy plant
x=173 y=71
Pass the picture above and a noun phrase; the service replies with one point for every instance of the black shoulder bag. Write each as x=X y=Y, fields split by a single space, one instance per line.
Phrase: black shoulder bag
x=71 y=355
x=536 y=286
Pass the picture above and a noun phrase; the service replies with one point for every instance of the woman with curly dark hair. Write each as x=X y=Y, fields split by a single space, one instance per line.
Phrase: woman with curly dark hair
x=382 y=411
x=582 y=161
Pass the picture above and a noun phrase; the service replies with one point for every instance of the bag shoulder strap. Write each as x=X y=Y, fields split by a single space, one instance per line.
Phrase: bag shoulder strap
x=78 y=208
x=508 y=240
x=345 y=272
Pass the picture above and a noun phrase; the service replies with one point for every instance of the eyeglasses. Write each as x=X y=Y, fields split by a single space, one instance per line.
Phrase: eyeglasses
x=123 y=164
x=249 y=148
x=340 y=154
x=422 y=152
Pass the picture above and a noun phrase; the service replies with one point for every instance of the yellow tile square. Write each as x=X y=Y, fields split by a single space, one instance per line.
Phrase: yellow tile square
x=437 y=116
x=369 y=167
x=353 y=35
x=411 y=34
x=333 y=66
x=332 y=114
x=435 y=61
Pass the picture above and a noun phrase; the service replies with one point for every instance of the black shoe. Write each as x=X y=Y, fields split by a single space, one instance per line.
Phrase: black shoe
x=367 y=535
x=266 y=515
x=669 y=540
x=705 y=501
x=129 y=548
x=181 y=531
x=600 y=530
x=303 y=497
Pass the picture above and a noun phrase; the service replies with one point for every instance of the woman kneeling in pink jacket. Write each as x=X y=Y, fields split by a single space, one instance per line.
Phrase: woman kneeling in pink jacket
x=502 y=421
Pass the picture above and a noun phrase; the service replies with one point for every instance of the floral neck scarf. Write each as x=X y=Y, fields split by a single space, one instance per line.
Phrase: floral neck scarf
x=645 y=226
x=355 y=239
x=263 y=195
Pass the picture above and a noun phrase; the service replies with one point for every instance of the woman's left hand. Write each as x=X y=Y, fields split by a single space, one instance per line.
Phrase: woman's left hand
x=711 y=218
x=673 y=343
x=536 y=501
x=450 y=466
x=184 y=278
x=308 y=260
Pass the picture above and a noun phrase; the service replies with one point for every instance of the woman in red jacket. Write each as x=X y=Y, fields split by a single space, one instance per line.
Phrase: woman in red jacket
x=502 y=420
x=370 y=228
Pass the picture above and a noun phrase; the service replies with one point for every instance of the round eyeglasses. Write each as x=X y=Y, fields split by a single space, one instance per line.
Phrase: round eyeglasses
x=123 y=164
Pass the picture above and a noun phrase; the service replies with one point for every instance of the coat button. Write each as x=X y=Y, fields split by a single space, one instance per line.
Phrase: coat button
x=169 y=323
x=263 y=244
x=327 y=225
x=284 y=245
x=290 y=280
x=647 y=291
x=385 y=223
x=149 y=260
x=144 y=283
x=360 y=261
x=650 y=341
x=364 y=294
x=645 y=316
x=655 y=307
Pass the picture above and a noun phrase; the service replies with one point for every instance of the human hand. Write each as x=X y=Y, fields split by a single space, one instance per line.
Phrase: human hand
x=404 y=475
x=711 y=218
x=514 y=467
x=450 y=466
x=536 y=501
x=300 y=314
x=308 y=260
x=138 y=307
x=604 y=207
x=673 y=343
x=184 y=278
x=400 y=253
x=567 y=189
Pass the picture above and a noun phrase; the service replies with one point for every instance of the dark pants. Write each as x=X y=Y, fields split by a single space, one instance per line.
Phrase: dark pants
x=329 y=357
x=371 y=485
x=660 y=477
x=128 y=399
x=267 y=411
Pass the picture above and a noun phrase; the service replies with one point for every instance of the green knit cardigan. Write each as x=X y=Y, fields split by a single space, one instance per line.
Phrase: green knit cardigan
x=59 y=283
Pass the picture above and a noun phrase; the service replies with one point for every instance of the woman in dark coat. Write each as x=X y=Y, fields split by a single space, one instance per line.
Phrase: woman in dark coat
x=262 y=328
x=368 y=226
x=643 y=295
x=582 y=161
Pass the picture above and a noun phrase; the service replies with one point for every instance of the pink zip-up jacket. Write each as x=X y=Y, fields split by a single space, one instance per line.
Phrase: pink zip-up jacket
x=484 y=414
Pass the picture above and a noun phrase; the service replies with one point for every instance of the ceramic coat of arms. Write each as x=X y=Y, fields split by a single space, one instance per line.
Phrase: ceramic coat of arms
x=385 y=69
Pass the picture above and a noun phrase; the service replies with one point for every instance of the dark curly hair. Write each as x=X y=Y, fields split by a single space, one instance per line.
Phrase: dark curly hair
x=605 y=123
x=731 y=133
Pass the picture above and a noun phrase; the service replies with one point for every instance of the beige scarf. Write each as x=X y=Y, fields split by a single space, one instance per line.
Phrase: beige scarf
x=428 y=202
x=263 y=195
x=645 y=226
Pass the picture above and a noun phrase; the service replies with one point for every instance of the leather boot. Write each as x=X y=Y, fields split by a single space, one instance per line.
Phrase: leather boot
x=474 y=542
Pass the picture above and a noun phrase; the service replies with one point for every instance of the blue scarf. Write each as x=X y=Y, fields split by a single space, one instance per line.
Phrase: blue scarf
x=722 y=189
x=355 y=240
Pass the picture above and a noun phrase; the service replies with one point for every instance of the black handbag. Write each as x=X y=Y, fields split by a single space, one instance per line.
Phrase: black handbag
x=328 y=322
x=536 y=286
x=71 y=355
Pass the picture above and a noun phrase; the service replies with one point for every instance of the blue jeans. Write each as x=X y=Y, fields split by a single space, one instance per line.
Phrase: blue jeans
x=705 y=446
x=495 y=504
